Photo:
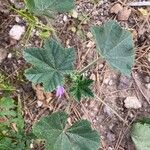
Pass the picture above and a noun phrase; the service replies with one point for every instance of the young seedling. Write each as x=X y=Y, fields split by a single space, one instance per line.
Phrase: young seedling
x=12 y=134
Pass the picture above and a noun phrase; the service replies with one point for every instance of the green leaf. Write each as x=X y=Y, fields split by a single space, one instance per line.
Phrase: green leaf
x=5 y=86
x=6 y=144
x=30 y=5
x=7 y=107
x=49 y=7
x=44 y=34
x=8 y=114
x=141 y=135
x=58 y=136
x=20 y=142
x=50 y=64
x=19 y=120
x=11 y=113
x=81 y=88
x=115 y=45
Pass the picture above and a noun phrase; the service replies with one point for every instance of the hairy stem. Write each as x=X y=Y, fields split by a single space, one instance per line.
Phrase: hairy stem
x=31 y=20
x=90 y=65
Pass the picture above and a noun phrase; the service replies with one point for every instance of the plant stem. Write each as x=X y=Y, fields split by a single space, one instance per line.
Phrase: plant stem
x=33 y=21
x=54 y=32
x=90 y=65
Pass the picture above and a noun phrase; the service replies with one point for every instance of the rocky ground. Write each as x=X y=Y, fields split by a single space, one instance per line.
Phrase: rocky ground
x=120 y=100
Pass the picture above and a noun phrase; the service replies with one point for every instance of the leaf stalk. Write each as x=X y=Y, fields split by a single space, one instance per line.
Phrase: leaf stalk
x=90 y=65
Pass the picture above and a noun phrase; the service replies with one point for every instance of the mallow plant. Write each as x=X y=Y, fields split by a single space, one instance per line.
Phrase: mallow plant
x=140 y=134
x=53 y=67
x=12 y=134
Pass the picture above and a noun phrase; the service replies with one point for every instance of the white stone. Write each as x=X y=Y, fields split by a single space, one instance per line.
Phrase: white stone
x=9 y=55
x=132 y=102
x=147 y=79
x=36 y=32
x=89 y=35
x=110 y=148
x=93 y=77
x=39 y=103
x=106 y=81
x=111 y=82
x=16 y=32
x=65 y=19
x=101 y=66
x=74 y=14
x=31 y=146
x=90 y=44
x=17 y=19
x=148 y=85
x=13 y=1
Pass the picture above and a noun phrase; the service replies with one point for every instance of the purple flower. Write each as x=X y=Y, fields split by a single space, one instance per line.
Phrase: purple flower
x=60 y=91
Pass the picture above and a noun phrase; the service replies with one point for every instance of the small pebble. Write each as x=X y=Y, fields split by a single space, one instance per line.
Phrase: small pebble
x=65 y=19
x=132 y=102
x=74 y=14
x=13 y=1
x=111 y=137
x=101 y=66
x=111 y=82
x=147 y=79
x=110 y=148
x=94 y=121
x=39 y=103
x=106 y=81
x=31 y=145
x=90 y=44
x=89 y=35
x=148 y=85
x=16 y=32
x=17 y=19
x=9 y=55
x=92 y=77
x=37 y=33
x=69 y=121
x=131 y=115
x=116 y=8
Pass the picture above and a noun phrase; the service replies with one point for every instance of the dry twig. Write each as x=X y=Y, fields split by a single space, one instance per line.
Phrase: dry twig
x=139 y=4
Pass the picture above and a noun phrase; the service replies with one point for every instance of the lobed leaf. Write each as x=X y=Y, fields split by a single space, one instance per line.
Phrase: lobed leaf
x=50 y=64
x=49 y=7
x=141 y=135
x=12 y=138
x=81 y=88
x=58 y=136
x=7 y=107
x=6 y=144
x=115 y=45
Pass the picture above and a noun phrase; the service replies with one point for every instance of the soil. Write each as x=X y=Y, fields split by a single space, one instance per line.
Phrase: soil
x=107 y=112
